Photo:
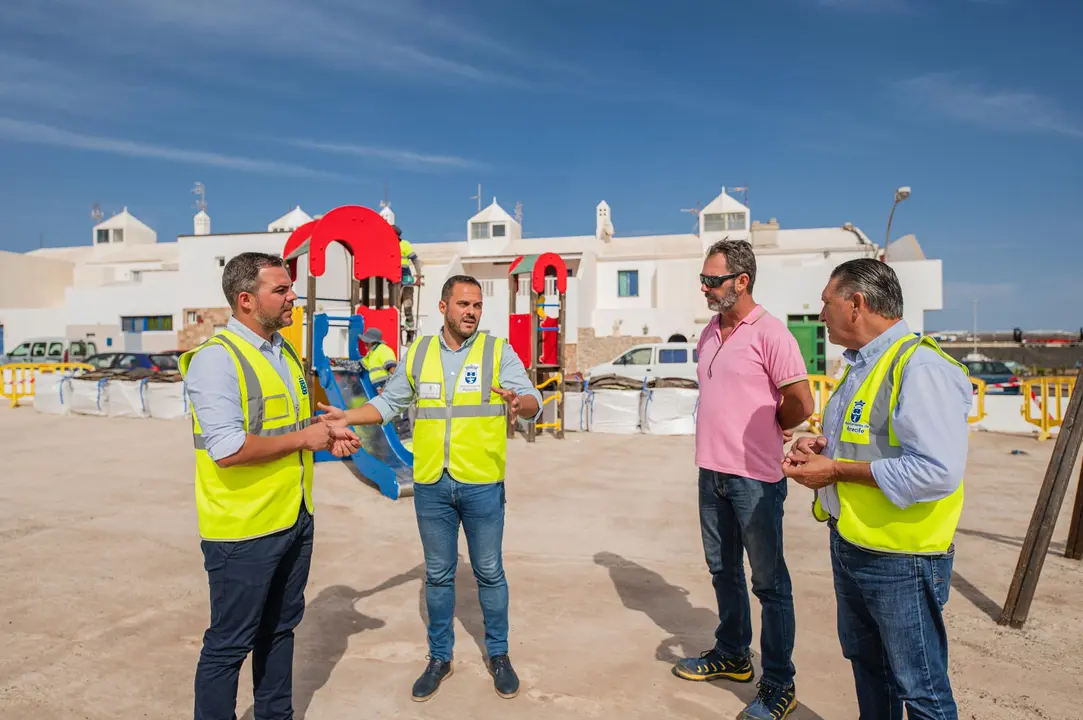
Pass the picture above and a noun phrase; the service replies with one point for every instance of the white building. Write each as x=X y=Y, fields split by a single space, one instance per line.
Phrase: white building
x=131 y=292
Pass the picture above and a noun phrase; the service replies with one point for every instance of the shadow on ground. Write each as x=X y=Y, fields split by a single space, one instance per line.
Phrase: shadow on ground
x=330 y=619
x=690 y=628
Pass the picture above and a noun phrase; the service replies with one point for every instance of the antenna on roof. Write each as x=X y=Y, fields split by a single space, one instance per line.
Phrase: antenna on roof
x=386 y=201
x=201 y=191
x=695 y=211
x=96 y=213
x=519 y=212
x=477 y=197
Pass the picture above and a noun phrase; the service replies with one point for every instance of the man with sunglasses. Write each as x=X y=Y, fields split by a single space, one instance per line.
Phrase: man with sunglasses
x=753 y=389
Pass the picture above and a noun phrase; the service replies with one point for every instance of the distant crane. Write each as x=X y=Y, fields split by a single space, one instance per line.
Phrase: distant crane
x=199 y=190
x=695 y=211
x=477 y=197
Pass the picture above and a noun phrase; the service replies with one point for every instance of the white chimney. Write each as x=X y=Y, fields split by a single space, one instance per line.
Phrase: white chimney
x=202 y=223
x=603 y=228
x=388 y=214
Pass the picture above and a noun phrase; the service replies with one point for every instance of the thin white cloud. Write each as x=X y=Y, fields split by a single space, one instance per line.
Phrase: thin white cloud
x=867 y=6
x=402 y=158
x=346 y=35
x=947 y=95
x=40 y=134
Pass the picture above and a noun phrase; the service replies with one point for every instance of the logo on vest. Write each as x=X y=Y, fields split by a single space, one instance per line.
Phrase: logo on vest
x=303 y=384
x=469 y=380
x=854 y=424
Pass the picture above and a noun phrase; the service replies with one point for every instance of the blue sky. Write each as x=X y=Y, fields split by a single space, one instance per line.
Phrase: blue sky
x=822 y=107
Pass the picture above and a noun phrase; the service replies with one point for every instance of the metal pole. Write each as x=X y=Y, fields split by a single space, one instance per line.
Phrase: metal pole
x=887 y=235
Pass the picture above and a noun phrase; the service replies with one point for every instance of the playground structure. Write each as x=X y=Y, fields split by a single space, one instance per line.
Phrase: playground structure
x=537 y=337
x=374 y=277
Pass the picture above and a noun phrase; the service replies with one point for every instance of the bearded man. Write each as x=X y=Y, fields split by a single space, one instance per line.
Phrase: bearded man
x=753 y=390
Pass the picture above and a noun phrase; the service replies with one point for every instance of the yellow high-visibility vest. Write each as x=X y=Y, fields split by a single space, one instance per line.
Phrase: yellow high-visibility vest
x=460 y=428
x=378 y=356
x=406 y=250
x=866 y=517
x=249 y=501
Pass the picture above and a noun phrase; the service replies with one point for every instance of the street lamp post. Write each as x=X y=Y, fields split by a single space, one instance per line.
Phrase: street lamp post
x=900 y=195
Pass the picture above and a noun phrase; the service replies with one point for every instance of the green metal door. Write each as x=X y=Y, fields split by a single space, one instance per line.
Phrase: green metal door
x=811 y=339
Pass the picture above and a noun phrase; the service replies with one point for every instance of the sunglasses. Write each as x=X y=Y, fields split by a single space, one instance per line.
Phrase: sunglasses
x=715 y=281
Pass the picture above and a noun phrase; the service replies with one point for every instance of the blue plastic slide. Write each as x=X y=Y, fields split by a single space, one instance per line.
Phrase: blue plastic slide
x=382 y=459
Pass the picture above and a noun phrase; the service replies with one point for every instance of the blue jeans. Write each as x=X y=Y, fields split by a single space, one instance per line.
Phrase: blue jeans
x=738 y=514
x=892 y=631
x=440 y=508
x=257 y=599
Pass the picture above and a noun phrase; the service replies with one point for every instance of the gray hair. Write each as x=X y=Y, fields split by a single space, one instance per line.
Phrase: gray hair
x=242 y=274
x=739 y=257
x=451 y=282
x=876 y=281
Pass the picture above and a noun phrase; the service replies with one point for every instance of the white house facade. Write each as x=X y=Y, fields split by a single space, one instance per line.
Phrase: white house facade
x=130 y=292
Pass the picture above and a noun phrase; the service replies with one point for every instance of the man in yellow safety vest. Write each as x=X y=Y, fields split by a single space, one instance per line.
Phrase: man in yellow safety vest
x=888 y=476
x=464 y=383
x=409 y=280
x=380 y=360
x=254 y=439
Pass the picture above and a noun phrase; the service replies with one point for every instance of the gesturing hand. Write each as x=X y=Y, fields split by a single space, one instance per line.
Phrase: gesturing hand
x=814 y=473
x=805 y=448
x=510 y=397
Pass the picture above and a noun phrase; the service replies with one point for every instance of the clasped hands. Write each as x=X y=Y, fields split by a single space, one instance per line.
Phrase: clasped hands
x=329 y=431
x=806 y=466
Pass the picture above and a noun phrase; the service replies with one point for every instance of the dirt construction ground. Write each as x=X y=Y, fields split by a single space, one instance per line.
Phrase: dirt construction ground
x=104 y=599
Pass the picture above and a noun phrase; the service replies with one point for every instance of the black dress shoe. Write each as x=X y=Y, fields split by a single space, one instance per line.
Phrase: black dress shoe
x=429 y=682
x=505 y=680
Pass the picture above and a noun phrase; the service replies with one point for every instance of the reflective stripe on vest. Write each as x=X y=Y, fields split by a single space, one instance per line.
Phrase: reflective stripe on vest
x=866 y=517
x=463 y=432
x=246 y=501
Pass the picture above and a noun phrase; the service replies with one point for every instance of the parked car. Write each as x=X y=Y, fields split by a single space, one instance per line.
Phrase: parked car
x=998 y=377
x=121 y=361
x=50 y=350
x=652 y=360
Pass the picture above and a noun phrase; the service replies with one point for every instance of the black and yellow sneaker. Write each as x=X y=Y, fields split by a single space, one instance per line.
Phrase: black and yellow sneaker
x=771 y=703
x=713 y=665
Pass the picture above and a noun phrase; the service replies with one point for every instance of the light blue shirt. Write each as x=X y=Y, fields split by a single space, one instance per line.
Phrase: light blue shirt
x=930 y=422
x=398 y=393
x=215 y=390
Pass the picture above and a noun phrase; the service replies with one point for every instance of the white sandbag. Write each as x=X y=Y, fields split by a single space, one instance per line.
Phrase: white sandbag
x=670 y=411
x=166 y=401
x=127 y=398
x=88 y=397
x=615 y=411
x=49 y=389
x=576 y=410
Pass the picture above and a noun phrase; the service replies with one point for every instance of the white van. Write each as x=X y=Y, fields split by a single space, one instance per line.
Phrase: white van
x=652 y=360
x=50 y=350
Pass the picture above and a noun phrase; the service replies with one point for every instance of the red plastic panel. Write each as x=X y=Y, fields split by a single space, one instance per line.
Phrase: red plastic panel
x=519 y=337
x=386 y=319
x=549 y=342
x=543 y=263
x=367 y=237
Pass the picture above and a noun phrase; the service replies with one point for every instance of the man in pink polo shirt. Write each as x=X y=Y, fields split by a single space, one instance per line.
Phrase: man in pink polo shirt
x=752 y=386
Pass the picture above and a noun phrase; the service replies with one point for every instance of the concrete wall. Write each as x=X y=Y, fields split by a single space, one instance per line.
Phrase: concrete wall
x=30 y=281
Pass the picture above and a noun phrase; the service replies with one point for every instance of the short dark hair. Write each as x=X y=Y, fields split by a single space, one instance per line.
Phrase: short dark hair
x=241 y=274
x=451 y=282
x=739 y=257
x=875 y=280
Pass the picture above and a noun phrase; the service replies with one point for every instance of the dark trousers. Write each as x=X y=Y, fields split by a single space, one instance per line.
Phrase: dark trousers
x=738 y=514
x=257 y=599
x=441 y=508
x=892 y=630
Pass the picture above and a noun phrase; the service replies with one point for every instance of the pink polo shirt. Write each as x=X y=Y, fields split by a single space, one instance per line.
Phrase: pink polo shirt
x=737 y=428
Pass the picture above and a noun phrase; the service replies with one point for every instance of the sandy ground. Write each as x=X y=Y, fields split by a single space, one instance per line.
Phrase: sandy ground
x=104 y=599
